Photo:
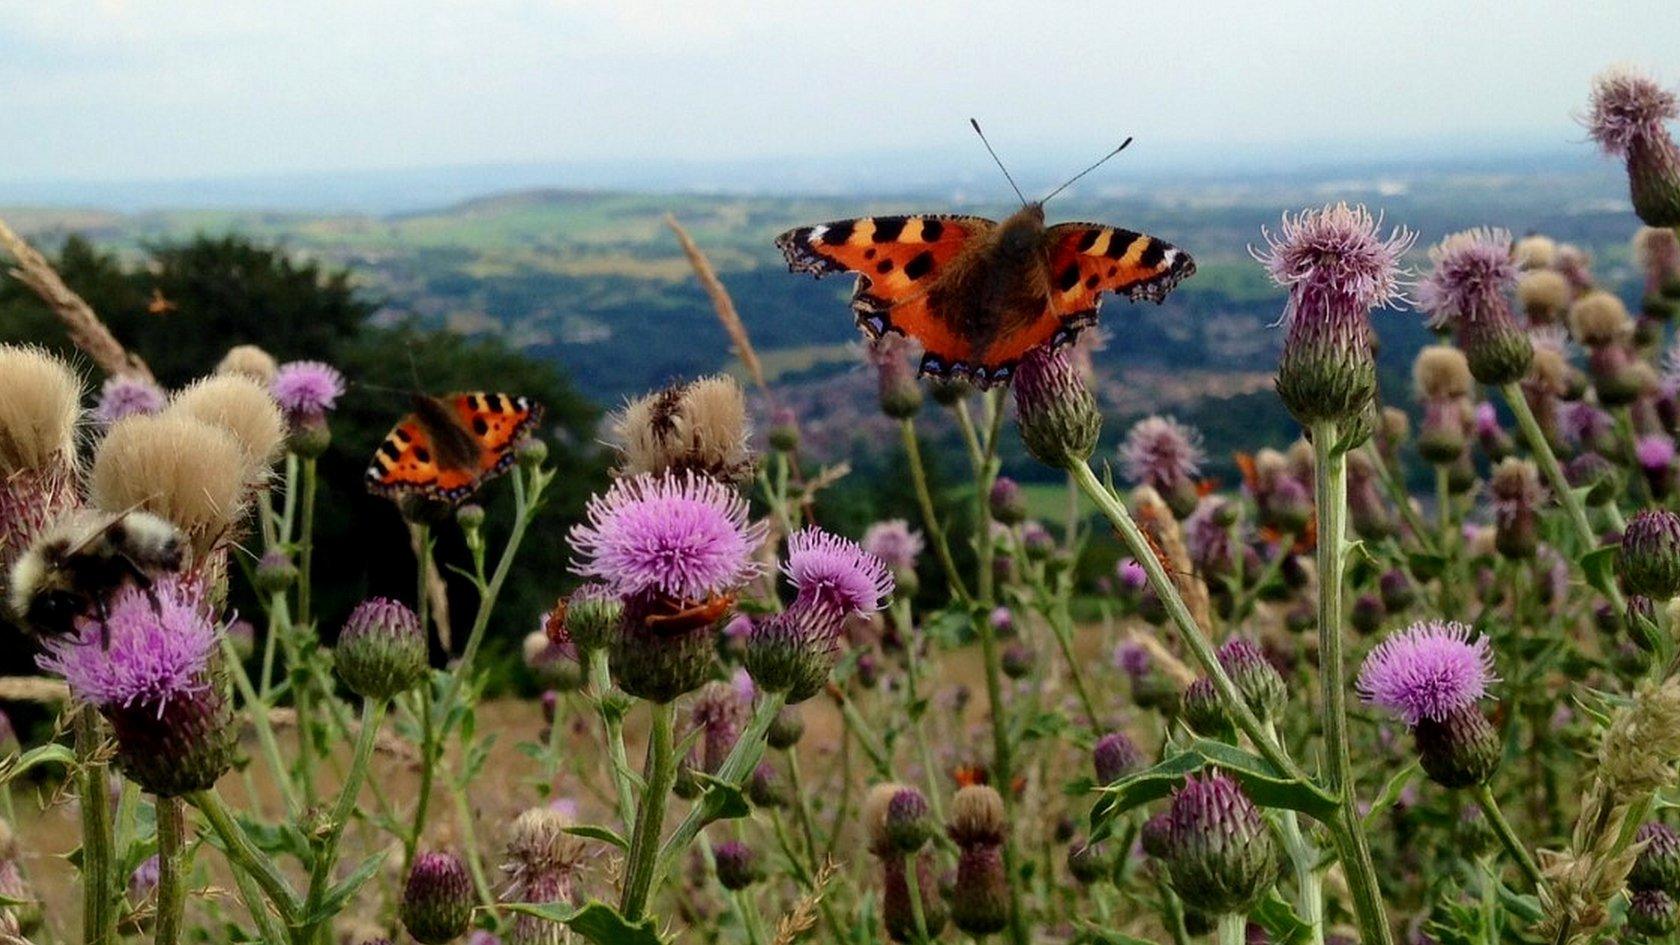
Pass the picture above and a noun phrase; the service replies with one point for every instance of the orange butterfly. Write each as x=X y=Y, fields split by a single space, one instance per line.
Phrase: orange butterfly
x=980 y=295
x=450 y=446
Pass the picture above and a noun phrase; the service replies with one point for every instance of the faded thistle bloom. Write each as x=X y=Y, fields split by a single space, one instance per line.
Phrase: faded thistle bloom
x=1466 y=291
x=438 y=899
x=1627 y=116
x=674 y=548
x=1006 y=502
x=40 y=407
x=249 y=361
x=185 y=470
x=1517 y=495
x=1431 y=676
x=381 y=652
x=149 y=668
x=1649 y=560
x=542 y=865
x=1544 y=295
x=1337 y=267
x=1057 y=414
x=700 y=426
x=245 y=410
x=1219 y=850
x=980 y=895
x=124 y=395
x=895 y=543
x=1441 y=375
x=833 y=579
x=1165 y=454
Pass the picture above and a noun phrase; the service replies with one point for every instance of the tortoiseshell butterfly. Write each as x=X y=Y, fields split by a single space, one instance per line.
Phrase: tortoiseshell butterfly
x=451 y=445
x=980 y=295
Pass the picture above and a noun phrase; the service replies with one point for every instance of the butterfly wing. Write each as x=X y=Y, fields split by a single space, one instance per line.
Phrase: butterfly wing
x=410 y=463
x=1084 y=261
x=896 y=260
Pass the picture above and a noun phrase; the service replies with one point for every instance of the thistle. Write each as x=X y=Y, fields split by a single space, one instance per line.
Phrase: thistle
x=437 y=901
x=1649 y=559
x=1431 y=676
x=1219 y=850
x=1166 y=455
x=980 y=896
x=1466 y=292
x=1627 y=117
x=1337 y=268
x=794 y=651
x=1058 y=417
x=381 y=652
x=698 y=427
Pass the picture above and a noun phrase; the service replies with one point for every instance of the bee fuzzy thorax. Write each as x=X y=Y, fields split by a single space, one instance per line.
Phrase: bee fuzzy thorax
x=79 y=562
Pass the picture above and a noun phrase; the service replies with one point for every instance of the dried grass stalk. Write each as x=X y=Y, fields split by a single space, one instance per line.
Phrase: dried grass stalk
x=86 y=331
x=721 y=301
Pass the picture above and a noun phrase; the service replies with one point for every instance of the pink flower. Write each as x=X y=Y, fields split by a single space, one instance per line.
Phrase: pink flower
x=1427 y=671
x=685 y=536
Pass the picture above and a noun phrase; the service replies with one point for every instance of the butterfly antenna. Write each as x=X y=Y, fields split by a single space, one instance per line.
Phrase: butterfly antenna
x=1088 y=170
x=998 y=160
x=413 y=368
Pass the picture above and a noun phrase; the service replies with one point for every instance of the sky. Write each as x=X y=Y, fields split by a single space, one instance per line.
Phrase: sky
x=185 y=89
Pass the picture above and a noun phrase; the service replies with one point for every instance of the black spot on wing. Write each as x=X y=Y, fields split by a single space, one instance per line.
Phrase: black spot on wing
x=1068 y=278
x=1088 y=239
x=1120 y=243
x=1153 y=254
x=920 y=265
x=931 y=230
x=887 y=229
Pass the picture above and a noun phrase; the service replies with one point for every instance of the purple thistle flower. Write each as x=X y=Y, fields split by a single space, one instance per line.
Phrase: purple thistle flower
x=306 y=390
x=1628 y=107
x=1655 y=451
x=1487 y=420
x=837 y=573
x=1585 y=424
x=1427 y=671
x=1161 y=452
x=1473 y=271
x=143 y=882
x=685 y=536
x=125 y=395
x=895 y=543
x=1335 y=250
x=160 y=645
x=1131 y=574
x=1133 y=660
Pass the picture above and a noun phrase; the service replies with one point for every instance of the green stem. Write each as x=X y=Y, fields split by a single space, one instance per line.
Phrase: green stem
x=751 y=922
x=1061 y=625
x=866 y=737
x=913 y=882
x=306 y=539
x=173 y=864
x=1330 y=496
x=612 y=722
x=1188 y=630
x=258 y=710
x=245 y=856
x=429 y=754
x=326 y=855
x=650 y=818
x=99 y=915
x=1507 y=836
x=930 y=517
x=736 y=766
x=1231 y=929
x=1402 y=501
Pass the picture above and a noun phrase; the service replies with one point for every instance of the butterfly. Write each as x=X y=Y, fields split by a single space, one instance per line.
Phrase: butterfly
x=980 y=295
x=451 y=445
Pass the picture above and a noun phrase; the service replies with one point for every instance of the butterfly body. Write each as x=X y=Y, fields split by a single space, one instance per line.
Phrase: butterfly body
x=980 y=295
x=450 y=446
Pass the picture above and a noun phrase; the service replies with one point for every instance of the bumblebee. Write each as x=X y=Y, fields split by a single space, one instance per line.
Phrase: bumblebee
x=77 y=563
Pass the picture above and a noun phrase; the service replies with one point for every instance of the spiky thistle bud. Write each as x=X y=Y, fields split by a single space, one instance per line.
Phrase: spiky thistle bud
x=908 y=823
x=381 y=651
x=438 y=899
x=1652 y=913
x=795 y=650
x=1088 y=863
x=1203 y=711
x=1114 y=756
x=1658 y=863
x=738 y=865
x=1337 y=268
x=1007 y=503
x=1058 y=417
x=1649 y=560
x=1460 y=749
x=786 y=729
x=1220 y=851
x=1626 y=117
x=1257 y=680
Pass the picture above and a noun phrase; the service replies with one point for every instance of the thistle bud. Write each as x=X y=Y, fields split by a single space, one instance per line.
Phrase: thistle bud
x=1016 y=661
x=1114 y=756
x=738 y=865
x=1597 y=475
x=896 y=913
x=1058 y=417
x=1649 y=560
x=900 y=395
x=438 y=899
x=1155 y=836
x=1220 y=854
x=1517 y=495
x=1627 y=118
x=1203 y=711
x=1465 y=291
x=1399 y=591
x=785 y=729
x=591 y=618
x=530 y=453
x=1652 y=913
x=1658 y=863
x=381 y=651
x=1461 y=749
x=765 y=788
x=275 y=572
x=1261 y=686
x=1367 y=614
x=909 y=823
x=1007 y=503
x=784 y=431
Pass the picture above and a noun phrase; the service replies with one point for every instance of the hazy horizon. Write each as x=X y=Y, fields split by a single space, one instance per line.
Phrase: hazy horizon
x=113 y=98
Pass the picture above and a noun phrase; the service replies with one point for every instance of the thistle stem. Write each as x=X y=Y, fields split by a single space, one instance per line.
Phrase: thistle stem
x=930 y=517
x=245 y=856
x=306 y=538
x=913 y=883
x=99 y=919
x=1507 y=836
x=326 y=856
x=612 y=722
x=1330 y=497
x=734 y=770
x=1231 y=929
x=641 y=865
x=173 y=863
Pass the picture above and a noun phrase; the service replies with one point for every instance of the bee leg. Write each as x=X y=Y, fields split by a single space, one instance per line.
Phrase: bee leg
x=103 y=615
